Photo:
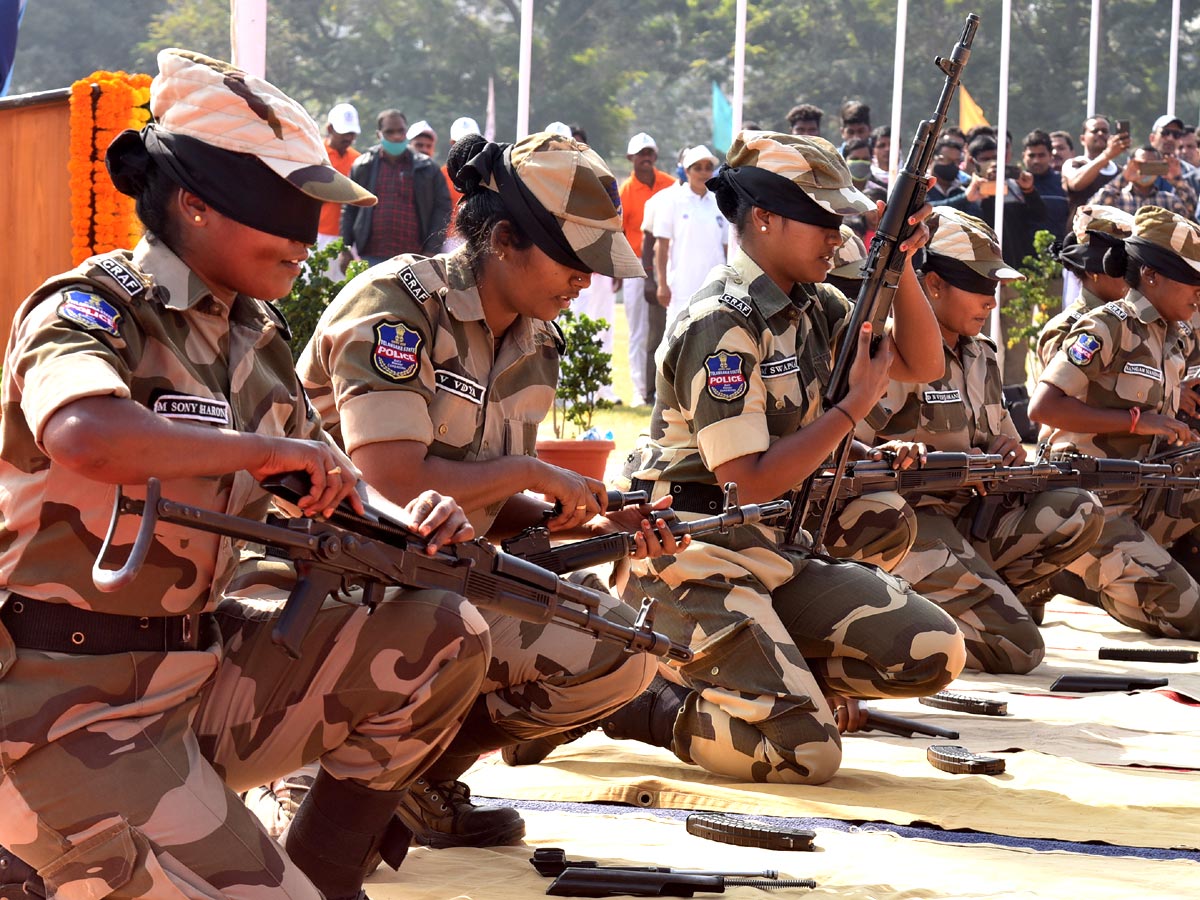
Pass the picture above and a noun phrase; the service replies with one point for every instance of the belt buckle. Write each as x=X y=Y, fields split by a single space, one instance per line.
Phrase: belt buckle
x=189 y=631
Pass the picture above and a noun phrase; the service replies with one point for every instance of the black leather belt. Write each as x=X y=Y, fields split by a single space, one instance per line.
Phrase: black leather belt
x=62 y=628
x=707 y=499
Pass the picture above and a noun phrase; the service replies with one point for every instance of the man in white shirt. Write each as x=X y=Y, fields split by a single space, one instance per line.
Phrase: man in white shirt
x=690 y=234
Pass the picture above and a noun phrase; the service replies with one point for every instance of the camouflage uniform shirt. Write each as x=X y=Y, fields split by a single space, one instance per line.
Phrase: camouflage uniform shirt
x=1051 y=336
x=404 y=354
x=961 y=411
x=1121 y=355
x=141 y=326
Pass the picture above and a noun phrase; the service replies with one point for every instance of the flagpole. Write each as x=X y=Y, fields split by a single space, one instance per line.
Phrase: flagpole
x=248 y=36
x=526 y=60
x=1173 y=68
x=1001 y=160
x=489 y=124
x=1093 y=58
x=898 y=86
x=739 y=65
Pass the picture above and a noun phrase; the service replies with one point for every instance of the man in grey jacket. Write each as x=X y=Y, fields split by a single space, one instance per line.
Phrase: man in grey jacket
x=414 y=203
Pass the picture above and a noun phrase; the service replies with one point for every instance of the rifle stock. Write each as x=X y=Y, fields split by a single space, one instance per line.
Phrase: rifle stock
x=349 y=550
x=883 y=266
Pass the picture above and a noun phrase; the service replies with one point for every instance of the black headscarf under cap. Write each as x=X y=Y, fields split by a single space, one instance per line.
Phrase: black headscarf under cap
x=494 y=162
x=774 y=193
x=1160 y=259
x=237 y=185
x=1087 y=257
x=956 y=273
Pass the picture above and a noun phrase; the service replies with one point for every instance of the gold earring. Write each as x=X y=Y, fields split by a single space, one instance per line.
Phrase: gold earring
x=763 y=229
x=195 y=218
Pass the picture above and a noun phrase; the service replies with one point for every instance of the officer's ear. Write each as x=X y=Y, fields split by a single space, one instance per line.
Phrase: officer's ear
x=933 y=284
x=191 y=208
x=504 y=239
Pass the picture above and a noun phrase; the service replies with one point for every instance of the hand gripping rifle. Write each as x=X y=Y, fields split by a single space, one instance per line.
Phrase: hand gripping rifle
x=375 y=552
x=884 y=265
x=533 y=544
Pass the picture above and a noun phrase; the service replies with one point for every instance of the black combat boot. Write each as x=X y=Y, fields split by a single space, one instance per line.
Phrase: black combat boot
x=530 y=753
x=18 y=879
x=337 y=832
x=1071 y=585
x=650 y=716
x=438 y=810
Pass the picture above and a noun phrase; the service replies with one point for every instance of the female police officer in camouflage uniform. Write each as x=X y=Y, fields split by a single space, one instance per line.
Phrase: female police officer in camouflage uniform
x=776 y=629
x=126 y=717
x=971 y=566
x=1113 y=390
x=437 y=372
x=1095 y=230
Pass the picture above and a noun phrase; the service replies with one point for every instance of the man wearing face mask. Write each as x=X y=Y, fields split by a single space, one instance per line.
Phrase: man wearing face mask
x=414 y=204
x=857 y=153
x=1135 y=187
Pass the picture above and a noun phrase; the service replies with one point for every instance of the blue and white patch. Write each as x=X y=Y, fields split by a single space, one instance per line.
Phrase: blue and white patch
x=1192 y=373
x=90 y=311
x=943 y=396
x=1185 y=329
x=395 y=355
x=1084 y=348
x=1144 y=371
x=192 y=408
x=777 y=368
x=462 y=387
x=123 y=275
x=726 y=380
x=412 y=283
x=737 y=303
x=1116 y=310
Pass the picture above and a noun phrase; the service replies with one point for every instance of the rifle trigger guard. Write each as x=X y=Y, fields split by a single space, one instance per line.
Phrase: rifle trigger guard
x=109 y=580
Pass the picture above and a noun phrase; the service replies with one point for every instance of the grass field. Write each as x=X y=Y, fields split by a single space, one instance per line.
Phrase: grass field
x=625 y=422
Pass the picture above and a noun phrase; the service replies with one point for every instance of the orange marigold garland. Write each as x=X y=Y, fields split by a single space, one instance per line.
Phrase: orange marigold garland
x=102 y=106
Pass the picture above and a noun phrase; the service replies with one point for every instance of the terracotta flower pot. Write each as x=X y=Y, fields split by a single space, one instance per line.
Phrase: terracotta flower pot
x=585 y=457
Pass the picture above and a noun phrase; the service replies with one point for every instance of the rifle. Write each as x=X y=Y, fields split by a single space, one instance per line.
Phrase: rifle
x=940 y=473
x=883 y=266
x=533 y=544
x=375 y=552
x=886 y=722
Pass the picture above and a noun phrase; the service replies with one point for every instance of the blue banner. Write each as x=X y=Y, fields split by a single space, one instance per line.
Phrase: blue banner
x=10 y=20
x=722 y=116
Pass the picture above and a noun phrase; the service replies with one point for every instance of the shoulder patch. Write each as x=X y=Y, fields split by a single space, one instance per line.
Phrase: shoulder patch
x=726 y=380
x=412 y=284
x=1084 y=348
x=1116 y=310
x=123 y=275
x=396 y=353
x=91 y=312
x=737 y=303
x=1185 y=329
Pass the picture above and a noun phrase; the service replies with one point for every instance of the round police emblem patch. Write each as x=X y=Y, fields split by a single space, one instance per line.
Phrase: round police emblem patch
x=726 y=380
x=396 y=352
x=91 y=312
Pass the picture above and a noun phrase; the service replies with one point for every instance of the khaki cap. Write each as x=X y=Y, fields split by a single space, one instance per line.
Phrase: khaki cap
x=214 y=102
x=969 y=240
x=1101 y=219
x=1170 y=231
x=574 y=185
x=848 y=258
x=811 y=163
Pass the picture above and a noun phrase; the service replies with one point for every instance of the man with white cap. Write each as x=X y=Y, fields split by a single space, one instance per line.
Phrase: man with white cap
x=422 y=138
x=641 y=294
x=341 y=129
x=690 y=234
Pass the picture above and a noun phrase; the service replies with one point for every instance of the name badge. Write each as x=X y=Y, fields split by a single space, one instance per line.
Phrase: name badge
x=460 y=386
x=943 y=397
x=779 y=367
x=194 y=409
x=1143 y=371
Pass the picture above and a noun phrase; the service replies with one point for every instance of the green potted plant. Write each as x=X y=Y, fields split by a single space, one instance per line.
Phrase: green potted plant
x=584 y=369
x=312 y=292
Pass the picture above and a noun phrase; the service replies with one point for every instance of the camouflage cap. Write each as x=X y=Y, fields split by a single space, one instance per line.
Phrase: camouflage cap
x=971 y=241
x=848 y=258
x=811 y=163
x=1101 y=219
x=1170 y=231
x=214 y=102
x=574 y=185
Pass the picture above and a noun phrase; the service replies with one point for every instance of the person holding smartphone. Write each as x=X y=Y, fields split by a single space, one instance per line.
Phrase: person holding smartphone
x=1102 y=141
x=1143 y=182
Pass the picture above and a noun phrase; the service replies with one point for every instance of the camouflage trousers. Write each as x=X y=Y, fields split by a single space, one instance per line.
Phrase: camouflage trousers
x=977 y=582
x=120 y=772
x=877 y=528
x=540 y=680
x=1135 y=579
x=774 y=631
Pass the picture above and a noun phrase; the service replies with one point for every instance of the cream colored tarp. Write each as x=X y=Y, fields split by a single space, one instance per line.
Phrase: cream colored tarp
x=856 y=865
